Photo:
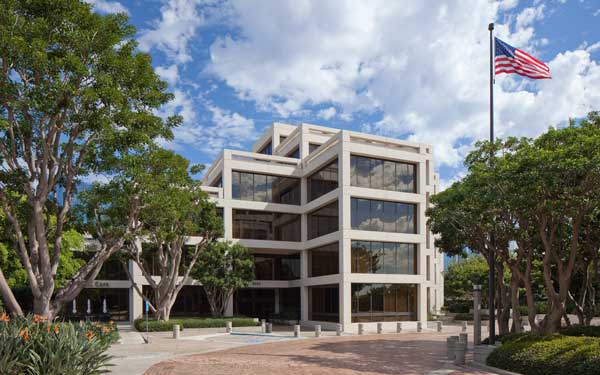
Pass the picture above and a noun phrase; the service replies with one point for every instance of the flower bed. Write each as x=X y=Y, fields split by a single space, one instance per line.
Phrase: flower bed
x=531 y=354
x=34 y=345
x=161 y=325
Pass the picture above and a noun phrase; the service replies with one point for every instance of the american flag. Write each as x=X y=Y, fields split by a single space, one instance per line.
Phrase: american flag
x=512 y=60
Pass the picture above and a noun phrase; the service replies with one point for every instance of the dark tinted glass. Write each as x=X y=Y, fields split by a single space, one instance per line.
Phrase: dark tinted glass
x=276 y=267
x=324 y=220
x=265 y=188
x=312 y=147
x=267 y=150
x=383 y=257
x=324 y=303
x=324 y=260
x=382 y=174
x=323 y=181
x=261 y=225
x=383 y=216
x=294 y=154
x=383 y=302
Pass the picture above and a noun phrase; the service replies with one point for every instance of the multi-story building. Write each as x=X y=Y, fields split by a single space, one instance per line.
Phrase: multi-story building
x=336 y=223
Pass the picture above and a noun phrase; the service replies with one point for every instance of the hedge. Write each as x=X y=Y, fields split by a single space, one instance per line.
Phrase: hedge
x=579 y=330
x=161 y=325
x=459 y=306
x=551 y=354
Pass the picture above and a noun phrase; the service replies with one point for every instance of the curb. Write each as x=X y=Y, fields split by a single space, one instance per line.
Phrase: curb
x=481 y=366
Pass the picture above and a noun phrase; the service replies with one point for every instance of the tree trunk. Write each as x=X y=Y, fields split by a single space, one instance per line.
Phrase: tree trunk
x=502 y=301
x=8 y=297
x=514 y=297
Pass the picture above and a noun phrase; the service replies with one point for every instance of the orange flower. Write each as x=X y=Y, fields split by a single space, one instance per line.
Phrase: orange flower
x=39 y=318
x=56 y=330
x=48 y=326
x=90 y=335
x=111 y=323
x=106 y=330
x=24 y=334
x=4 y=318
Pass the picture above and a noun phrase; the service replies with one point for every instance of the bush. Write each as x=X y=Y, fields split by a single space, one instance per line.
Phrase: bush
x=463 y=316
x=579 y=330
x=531 y=354
x=33 y=345
x=161 y=325
x=459 y=306
x=507 y=337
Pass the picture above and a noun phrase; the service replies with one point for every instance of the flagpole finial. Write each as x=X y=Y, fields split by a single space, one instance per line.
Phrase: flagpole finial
x=491 y=26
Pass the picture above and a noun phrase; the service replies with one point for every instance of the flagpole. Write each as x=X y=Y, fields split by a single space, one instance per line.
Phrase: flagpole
x=492 y=253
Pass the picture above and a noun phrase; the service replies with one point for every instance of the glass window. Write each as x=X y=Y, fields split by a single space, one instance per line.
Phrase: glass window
x=386 y=257
x=383 y=302
x=324 y=220
x=276 y=266
x=382 y=174
x=324 y=260
x=267 y=149
x=265 y=188
x=361 y=214
x=294 y=154
x=389 y=217
x=323 y=181
x=383 y=216
x=261 y=225
x=324 y=303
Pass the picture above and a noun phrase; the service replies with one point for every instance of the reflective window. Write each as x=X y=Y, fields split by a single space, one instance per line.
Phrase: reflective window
x=323 y=181
x=324 y=303
x=265 y=188
x=262 y=225
x=384 y=302
x=322 y=221
x=267 y=149
x=276 y=266
x=383 y=257
x=383 y=174
x=294 y=154
x=383 y=216
x=324 y=260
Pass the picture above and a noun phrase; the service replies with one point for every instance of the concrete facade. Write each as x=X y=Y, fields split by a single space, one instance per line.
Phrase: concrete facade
x=332 y=144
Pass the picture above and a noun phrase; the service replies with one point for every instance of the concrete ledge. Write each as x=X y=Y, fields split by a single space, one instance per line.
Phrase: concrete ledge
x=494 y=370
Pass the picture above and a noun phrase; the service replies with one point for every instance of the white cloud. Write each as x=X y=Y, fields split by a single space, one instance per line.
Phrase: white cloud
x=172 y=33
x=104 y=6
x=423 y=64
x=596 y=13
x=327 y=113
x=169 y=74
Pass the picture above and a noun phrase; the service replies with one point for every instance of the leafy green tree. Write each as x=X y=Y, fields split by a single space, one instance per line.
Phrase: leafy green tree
x=75 y=96
x=461 y=276
x=222 y=269
x=169 y=208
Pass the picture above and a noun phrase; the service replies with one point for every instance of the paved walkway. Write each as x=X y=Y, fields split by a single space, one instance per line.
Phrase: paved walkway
x=406 y=353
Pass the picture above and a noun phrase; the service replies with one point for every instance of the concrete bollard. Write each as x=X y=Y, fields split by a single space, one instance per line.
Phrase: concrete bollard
x=379 y=328
x=451 y=343
x=296 y=331
x=464 y=326
x=459 y=354
x=464 y=339
x=439 y=326
x=176 y=330
x=419 y=326
x=339 y=330
x=361 y=329
x=269 y=328
x=229 y=327
x=318 y=330
x=263 y=327
x=399 y=327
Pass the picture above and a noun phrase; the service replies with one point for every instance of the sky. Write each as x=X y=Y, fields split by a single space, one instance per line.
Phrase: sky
x=411 y=69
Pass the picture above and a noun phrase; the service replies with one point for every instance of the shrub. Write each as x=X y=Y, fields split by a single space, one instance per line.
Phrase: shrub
x=579 y=330
x=459 y=306
x=161 y=325
x=463 y=316
x=33 y=345
x=531 y=354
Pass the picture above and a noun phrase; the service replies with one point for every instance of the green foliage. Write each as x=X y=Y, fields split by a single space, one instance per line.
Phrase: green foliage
x=456 y=306
x=552 y=354
x=161 y=325
x=32 y=345
x=581 y=330
x=222 y=268
x=460 y=278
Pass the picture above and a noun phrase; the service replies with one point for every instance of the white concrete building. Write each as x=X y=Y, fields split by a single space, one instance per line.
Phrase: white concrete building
x=336 y=222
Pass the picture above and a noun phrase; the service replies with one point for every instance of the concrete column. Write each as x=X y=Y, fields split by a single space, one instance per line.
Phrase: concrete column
x=477 y=314
x=136 y=303
x=345 y=301
x=304 y=303
x=276 y=301
x=422 y=307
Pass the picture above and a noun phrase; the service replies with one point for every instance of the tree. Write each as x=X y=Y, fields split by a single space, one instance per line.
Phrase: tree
x=170 y=208
x=461 y=276
x=75 y=96
x=222 y=269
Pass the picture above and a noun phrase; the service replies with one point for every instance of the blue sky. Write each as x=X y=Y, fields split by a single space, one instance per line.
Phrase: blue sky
x=416 y=70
